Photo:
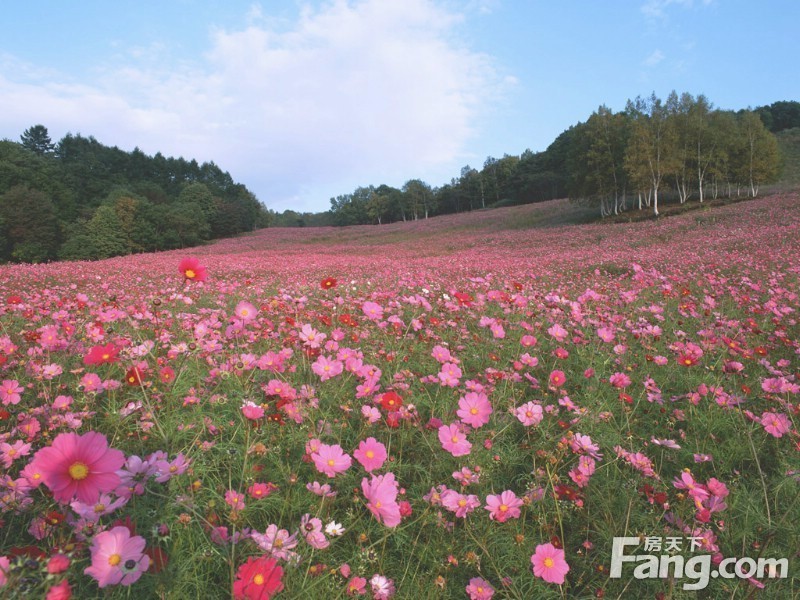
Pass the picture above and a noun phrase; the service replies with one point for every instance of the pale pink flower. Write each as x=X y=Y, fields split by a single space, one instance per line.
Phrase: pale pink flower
x=245 y=312
x=117 y=557
x=327 y=368
x=479 y=589
x=460 y=504
x=372 y=310
x=529 y=414
x=449 y=375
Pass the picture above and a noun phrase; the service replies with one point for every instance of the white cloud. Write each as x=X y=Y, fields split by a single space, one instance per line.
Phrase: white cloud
x=654 y=58
x=352 y=93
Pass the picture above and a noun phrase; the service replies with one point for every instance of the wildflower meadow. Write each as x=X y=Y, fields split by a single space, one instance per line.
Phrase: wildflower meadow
x=472 y=406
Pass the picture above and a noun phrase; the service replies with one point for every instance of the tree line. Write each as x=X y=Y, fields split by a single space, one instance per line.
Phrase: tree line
x=80 y=200
x=682 y=147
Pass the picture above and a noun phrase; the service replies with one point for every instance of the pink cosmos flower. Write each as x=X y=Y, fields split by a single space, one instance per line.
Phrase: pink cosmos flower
x=10 y=391
x=372 y=310
x=310 y=337
x=474 y=409
x=441 y=354
x=234 y=499
x=449 y=375
x=357 y=586
x=453 y=440
x=245 y=311
x=558 y=332
x=327 y=368
x=503 y=507
x=5 y=565
x=79 y=466
x=381 y=494
x=606 y=334
x=312 y=531
x=277 y=542
x=619 y=380
x=331 y=460
x=460 y=504
x=117 y=557
x=776 y=424
x=371 y=454
x=261 y=490
x=479 y=589
x=557 y=379
x=252 y=411
x=60 y=591
x=382 y=587
x=529 y=414
x=11 y=452
x=549 y=563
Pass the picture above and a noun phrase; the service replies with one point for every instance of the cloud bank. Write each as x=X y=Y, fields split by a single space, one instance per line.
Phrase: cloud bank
x=348 y=94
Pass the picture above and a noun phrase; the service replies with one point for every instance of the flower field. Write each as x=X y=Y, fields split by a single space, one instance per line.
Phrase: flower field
x=472 y=406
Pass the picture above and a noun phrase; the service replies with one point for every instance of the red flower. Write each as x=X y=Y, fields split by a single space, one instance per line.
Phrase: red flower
x=134 y=376
x=258 y=579
x=328 y=283
x=100 y=355
x=391 y=401
x=192 y=270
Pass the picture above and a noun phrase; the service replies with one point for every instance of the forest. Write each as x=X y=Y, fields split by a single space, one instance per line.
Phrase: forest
x=681 y=149
x=79 y=200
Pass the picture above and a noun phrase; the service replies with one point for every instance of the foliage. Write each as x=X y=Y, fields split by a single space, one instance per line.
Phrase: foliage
x=158 y=203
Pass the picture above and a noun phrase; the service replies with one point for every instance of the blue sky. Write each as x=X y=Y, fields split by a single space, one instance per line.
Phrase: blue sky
x=302 y=101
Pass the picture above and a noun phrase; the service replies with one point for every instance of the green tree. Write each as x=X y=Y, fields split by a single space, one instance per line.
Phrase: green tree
x=30 y=231
x=759 y=158
x=105 y=231
x=37 y=140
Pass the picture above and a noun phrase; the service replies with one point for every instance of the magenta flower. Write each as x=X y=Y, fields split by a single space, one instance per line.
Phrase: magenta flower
x=10 y=392
x=117 y=557
x=371 y=454
x=79 y=466
x=479 y=589
x=381 y=494
x=549 y=563
x=776 y=424
x=557 y=379
x=331 y=460
x=234 y=499
x=453 y=440
x=503 y=507
x=474 y=409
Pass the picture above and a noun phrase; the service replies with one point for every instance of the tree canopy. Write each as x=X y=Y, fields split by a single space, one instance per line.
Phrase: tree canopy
x=80 y=199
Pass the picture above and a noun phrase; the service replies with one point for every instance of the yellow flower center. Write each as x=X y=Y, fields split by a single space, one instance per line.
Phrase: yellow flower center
x=331 y=462
x=190 y=274
x=548 y=562
x=454 y=439
x=503 y=508
x=473 y=411
x=370 y=454
x=462 y=502
x=378 y=505
x=13 y=452
x=278 y=543
x=99 y=507
x=258 y=579
x=78 y=471
x=114 y=560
